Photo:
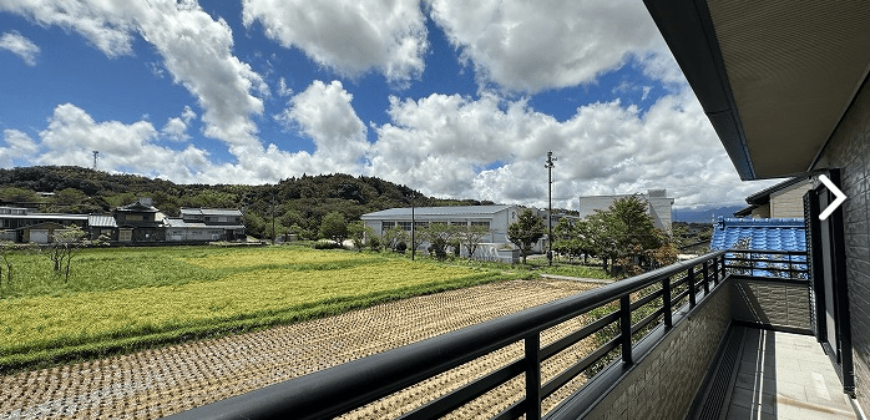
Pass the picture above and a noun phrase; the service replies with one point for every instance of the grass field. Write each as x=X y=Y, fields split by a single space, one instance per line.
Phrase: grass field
x=120 y=300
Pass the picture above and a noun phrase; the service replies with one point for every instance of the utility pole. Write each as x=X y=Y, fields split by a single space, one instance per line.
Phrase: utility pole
x=413 y=227
x=95 y=159
x=549 y=166
x=273 y=218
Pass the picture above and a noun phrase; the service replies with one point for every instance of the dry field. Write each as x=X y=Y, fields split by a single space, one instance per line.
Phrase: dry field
x=155 y=383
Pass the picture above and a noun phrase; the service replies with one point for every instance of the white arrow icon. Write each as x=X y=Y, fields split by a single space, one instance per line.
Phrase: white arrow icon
x=839 y=200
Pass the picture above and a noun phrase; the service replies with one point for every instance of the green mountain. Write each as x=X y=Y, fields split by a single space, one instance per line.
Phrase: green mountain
x=297 y=204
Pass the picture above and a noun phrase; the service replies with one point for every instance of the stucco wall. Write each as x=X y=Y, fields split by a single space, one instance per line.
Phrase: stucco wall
x=849 y=150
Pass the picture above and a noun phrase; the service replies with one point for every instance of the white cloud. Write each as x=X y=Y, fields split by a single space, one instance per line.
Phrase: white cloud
x=72 y=135
x=20 y=148
x=176 y=128
x=458 y=147
x=20 y=46
x=283 y=89
x=348 y=36
x=196 y=51
x=534 y=46
x=324 y=113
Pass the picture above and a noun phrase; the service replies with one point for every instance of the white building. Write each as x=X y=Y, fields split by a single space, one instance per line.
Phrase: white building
x=496 y=218
x=660 y=206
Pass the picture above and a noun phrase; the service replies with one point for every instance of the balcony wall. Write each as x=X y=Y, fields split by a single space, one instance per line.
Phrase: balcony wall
x=690 y=350
x=771 y=304
x=650 y=390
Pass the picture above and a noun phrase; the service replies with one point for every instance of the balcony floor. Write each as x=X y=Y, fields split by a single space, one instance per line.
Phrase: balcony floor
x=785 y=376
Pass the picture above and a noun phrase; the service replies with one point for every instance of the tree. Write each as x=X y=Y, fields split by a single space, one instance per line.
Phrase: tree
x=625 y=234
x=438 y=235
x=6 y=248
x=374 y=242
x=526 y=231
x=393 y=236
x=67 y=243
x=358 y=232
x=470 y=236
x=333 y=226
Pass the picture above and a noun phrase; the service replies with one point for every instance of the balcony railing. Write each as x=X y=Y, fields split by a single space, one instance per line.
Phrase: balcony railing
x=768 y=263
x=634 y=308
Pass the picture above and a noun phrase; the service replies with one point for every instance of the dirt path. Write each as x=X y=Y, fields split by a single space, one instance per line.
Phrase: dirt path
x=156 y=383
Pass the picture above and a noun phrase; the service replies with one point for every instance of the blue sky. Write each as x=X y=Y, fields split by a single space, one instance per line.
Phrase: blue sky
x=453 y=99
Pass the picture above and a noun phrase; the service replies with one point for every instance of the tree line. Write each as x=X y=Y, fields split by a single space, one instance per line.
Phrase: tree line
x=294 y=205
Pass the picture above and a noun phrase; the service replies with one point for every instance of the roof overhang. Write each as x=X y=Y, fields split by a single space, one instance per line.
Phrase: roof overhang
x=775 y=77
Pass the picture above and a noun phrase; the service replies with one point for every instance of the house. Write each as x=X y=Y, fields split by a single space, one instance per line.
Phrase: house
x=660 y=206
x=139 y=222
x=203 y=224
x=227 y=220
x=103 y=226
x=783 y=200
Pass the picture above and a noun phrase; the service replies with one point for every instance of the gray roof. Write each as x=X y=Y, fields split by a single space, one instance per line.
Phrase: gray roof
x=173 y=222
x=102 y=220
x=46 y=216
x=138 y=207
x=450 y=211
x=211 y=212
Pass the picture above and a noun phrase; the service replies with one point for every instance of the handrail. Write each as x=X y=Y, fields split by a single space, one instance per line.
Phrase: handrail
x=340 y=389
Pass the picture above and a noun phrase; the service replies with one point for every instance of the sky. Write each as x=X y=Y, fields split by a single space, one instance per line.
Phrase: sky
x=455 y=99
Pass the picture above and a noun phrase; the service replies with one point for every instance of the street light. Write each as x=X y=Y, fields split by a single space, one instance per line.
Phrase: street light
x=549 y=165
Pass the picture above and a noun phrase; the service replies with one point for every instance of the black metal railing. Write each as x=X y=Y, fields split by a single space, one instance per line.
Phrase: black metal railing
x=768 y=263
x=625 y=312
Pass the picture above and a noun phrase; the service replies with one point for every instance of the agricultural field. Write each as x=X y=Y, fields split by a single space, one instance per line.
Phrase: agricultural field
x=120 y=300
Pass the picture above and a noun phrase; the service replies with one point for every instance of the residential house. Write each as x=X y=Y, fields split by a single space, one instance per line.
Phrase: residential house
x=26 y=225
x=783 y=200
x=203 y=224
x=660 y=206
x=139 y=222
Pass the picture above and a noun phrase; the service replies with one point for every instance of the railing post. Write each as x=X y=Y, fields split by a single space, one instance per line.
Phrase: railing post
x=625 y=325
x=715 y=272
x=692 y=286
x=706 y=269
x=666 y=302
x=533 y=377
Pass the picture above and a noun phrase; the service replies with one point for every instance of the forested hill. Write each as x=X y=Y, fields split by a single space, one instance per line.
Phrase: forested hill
x=298 y=203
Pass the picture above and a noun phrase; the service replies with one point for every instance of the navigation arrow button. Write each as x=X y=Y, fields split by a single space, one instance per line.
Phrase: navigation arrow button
x=839 y=194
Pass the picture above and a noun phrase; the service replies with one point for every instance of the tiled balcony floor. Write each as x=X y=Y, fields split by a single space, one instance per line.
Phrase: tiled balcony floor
x=785 y=376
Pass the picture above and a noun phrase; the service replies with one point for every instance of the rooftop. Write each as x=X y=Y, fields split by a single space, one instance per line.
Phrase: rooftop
x=779 y=234
x=464 y=211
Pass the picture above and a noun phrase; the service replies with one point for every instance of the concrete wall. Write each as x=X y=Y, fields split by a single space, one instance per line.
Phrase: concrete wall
x=849 y=149
x=660 y=207
x=664 y=383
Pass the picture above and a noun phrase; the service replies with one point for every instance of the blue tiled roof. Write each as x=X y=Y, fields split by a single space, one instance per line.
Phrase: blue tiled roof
x=766 y=234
